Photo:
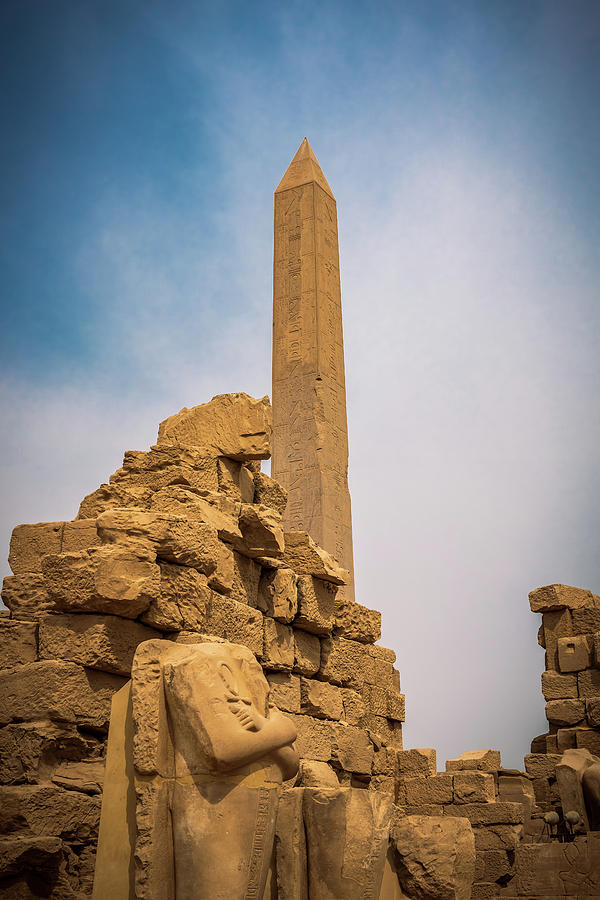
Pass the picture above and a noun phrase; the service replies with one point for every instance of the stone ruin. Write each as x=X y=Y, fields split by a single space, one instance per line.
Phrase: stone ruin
x=193 y=705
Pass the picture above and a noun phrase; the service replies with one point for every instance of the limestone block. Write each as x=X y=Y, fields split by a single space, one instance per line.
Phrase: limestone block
x=119 y=580
x=236 y=622
x=356 y=622
x=541 y=765
x=106 y=643
x=428 y=789
x=60 y=691
x=26 y=596
x=30 y=542
x=246 y=577
x=487 y=813
x=278 y=594
x=49 y=810
x=588 y=683
x=317 y=774
x=316 y=605
x=290 y=848
x=574 y=653
x=306 y=558
x=278 y=650
x=347 y=839
x=315 y=738
x=321 y=700
x=174 y=538
x=497 y=837
x=557 y=624
x=233 y=425
x=561 y=596
x=416 y=762
x=183 y=602
x=18 y=643
x=307 y=652
x=559 y=687
x=269 y=492
x=213 y=509
x=565 y=712
x=112 y=496
x=285 y=691
x=352 y=748
x=262 y=532
x=480 y=760
x=354 y=707
x=474 y=787
x=435 y=857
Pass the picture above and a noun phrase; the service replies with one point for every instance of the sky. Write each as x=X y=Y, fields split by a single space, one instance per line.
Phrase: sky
x=140 y=147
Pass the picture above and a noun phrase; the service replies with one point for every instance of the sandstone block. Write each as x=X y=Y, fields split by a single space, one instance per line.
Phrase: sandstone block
x=565 y=712
x=174 y=538
x=26 y=596
x=183 y=602
x=113 y=496
x=592 y=712
x=343 y=662
x=356 y=622
x=354 y=707
x=81 y=534
x=321 y=700
x=40 y=857
x=416 y=762
x=269 y=492
x=585 y=621
x=246 y=577
x=383 y=730
x=290 y=848
x=487 y=813
x=588 y=739
x=106 y=643
x=222 y=579
x=306 y=558
x=278 y=594
x=213 y=509
x=559 y=687
x=60 y=691
x=307 y=652
x=561 y=596
x=316 y=605
x=30 y=542
x=435 y=857
x=588 y=683
x=117 y=580
x=474 y=787
x=161 y=466
x=574 y=653
x=428 y=789
x=492 y=865
x=236 y=622
x=380 y=701
x=557 y=624
x=262 y=531
x=86 y=776
x=278 y=651
x=49 y=811
x=516 y=789
x=285 y=691
x=541 y=765
x=30 y=750
x=315 y=738
x=497 y=837
x=352 y=748
x=18 y=643
x=479 y=760
x=317 y=774
x=385 y=761
x=233 y=425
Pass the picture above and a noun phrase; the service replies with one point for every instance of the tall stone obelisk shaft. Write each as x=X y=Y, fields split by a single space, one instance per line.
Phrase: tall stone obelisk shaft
x=310 y=430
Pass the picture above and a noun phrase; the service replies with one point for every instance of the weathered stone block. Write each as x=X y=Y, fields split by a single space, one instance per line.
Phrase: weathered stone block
x=307 y=652
x=321 y=700
x=356 y=622
x=592 y=712
x=416 y=762
x=574 y=653
x=278 y=594
x=41 y=857
x=106 y=643
x=214 y=509
x=316 y=605
x=262 y=532
x=352 y=748
x=183 y=602
x=269 y=492
x=491 y=866
x=474 y=787
x=30 y=542
x=26 y=596
x=588 y=683
x=497 y=837
x=516 y=789
x=49 y=810
x=354 y=707
x=344 y=662
x=315 y=738
x=306 y=558
x=385 y=761
x=435 y=857
x=557 y=624
x=559 y=687
x=81 y=534
x=541 y=765
x=428 y=789
x=30 y=750
x=586 y=621
x=479 y=760
x=18 y=643
x=112 y=496
x=60 y=691
x=317 y=774
x=487 y=813
x=290 y=848
x=233 y=425
x=561 y=596
x=588 y=739
x=119 y=580
x=246 y=577
x=565 y=712
x=278 y=652
x=285 y=691
x=236 y=622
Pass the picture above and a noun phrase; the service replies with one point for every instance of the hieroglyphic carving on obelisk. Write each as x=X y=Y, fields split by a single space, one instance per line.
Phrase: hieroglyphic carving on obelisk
x=310 y=431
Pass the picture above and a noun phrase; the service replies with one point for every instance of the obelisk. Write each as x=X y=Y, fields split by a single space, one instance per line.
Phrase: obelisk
x=310 y=430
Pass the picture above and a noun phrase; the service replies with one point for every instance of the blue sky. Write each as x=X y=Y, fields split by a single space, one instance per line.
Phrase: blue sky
x=141 y=144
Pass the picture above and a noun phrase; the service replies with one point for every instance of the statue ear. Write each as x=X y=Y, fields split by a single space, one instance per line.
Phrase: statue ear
x=228 y=679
